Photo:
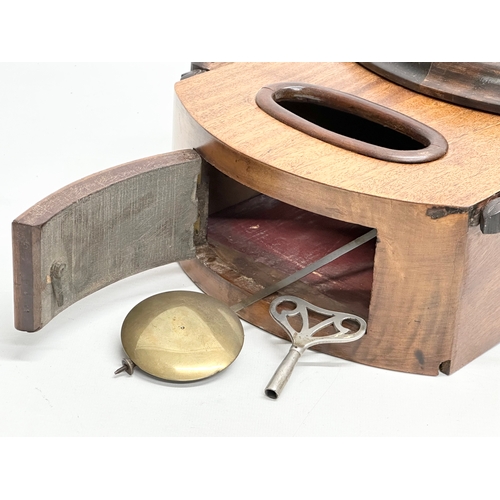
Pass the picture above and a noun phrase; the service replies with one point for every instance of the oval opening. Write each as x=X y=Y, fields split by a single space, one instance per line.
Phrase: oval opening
x=352 y=126
x=352 y=123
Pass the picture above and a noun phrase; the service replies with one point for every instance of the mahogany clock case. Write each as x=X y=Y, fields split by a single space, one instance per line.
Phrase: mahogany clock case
x=66 y=122
x=247 y=199
x=428 y=288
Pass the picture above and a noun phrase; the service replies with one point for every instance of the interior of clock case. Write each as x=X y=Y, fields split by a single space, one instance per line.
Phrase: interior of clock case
x=255 y=241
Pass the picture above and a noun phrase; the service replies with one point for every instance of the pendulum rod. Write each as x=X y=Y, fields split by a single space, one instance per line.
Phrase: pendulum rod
x=305 y=271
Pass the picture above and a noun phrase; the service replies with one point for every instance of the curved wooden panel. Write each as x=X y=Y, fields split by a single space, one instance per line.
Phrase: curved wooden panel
x=472 y=84
x=104 y=228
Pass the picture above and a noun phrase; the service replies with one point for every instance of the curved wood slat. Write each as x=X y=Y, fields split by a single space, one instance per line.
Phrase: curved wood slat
x=104 y=228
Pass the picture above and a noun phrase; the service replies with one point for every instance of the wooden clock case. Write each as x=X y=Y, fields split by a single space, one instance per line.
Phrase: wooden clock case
x=248 y=199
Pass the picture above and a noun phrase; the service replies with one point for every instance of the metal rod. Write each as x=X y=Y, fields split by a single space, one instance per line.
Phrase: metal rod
x=127 y=366
x=305 y=271
x=282 y=374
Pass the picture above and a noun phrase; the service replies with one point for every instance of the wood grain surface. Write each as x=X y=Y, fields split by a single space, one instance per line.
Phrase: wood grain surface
x=417 y=279
x=103 y=228
x=222 y=103
x=478 y=315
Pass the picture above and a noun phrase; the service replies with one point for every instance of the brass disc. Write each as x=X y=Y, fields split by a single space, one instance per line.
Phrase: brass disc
x=182 y=336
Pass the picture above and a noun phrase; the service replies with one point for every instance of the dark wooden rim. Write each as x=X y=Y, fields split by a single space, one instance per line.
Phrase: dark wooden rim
x=475 y=85
x=435 y=145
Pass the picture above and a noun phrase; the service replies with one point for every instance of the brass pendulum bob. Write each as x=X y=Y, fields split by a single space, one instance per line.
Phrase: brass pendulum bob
x=181 y=336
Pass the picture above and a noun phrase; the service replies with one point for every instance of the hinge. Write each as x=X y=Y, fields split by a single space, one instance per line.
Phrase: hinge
x=490 y=217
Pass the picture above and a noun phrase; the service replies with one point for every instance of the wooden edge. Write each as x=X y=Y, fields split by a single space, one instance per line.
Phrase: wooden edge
x=44 y=210
x=26 y=259
x=27 y=230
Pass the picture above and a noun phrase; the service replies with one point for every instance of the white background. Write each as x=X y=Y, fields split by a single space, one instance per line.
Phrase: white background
x=46 y=143
x=61 y=122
